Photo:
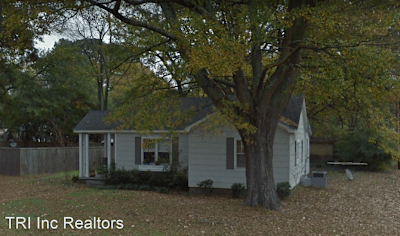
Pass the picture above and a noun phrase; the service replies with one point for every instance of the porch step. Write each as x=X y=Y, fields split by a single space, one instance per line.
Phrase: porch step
x=92 y=181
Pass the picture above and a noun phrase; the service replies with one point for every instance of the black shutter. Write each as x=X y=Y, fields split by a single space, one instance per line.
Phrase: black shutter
x=138 y=150
x=230 y=153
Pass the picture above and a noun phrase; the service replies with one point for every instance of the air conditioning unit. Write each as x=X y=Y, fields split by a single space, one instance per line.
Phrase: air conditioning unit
x=319 y=179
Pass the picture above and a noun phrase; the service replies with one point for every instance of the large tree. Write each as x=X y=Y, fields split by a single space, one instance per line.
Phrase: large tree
x=49 y=98
x=246 y=56
x=92 y=28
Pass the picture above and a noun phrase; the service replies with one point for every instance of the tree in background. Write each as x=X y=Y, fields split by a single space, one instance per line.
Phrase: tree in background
x=43 y=97
x=20 y=24
x=50 y=98
x=351 y=92
x=92 y=30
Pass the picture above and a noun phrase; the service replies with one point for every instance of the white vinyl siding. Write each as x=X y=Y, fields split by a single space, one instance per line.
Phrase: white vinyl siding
x=299 y=159
x=208 y=159
x=183 y=150
x=125 y=151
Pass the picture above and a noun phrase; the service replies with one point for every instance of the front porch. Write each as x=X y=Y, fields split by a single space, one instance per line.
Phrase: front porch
x=86 y=167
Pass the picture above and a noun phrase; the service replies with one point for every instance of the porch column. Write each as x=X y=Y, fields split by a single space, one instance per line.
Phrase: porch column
x=108 y=150
x=80 y=155
x=115 y=148
x=105 y=147
x=86 y=155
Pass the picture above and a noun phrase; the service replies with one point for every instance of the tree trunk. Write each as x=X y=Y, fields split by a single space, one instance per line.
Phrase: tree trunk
x=1 y=14
x=261 y=190
x=99 y=93
x=103 y=77
x=106 y=90
x=397 y=124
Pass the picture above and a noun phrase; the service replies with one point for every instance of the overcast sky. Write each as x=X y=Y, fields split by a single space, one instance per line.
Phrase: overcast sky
x=48 y=42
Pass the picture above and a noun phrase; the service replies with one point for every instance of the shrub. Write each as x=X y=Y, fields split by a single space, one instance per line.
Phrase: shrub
x=131 y=186
x=363 y=146
x=283 y=190
x=118 y=177
x=144 y=188
x=238 y=190
x=206 y=186
x=120 y=186
x=75 y=178
x=146 y=180
x=161 y=190
x=103 y=170
x=180 y=181
x=158 y=179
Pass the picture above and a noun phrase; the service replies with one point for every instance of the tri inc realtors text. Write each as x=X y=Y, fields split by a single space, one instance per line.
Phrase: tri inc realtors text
x=68 y=223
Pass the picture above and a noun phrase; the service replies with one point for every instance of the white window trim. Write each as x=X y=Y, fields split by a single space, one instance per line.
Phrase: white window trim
x=302 y=152
x=156 y=151
x=235 y=154
x=295 y=152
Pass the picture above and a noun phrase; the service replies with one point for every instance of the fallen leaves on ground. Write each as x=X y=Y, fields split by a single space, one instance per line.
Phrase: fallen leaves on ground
x=368 y=205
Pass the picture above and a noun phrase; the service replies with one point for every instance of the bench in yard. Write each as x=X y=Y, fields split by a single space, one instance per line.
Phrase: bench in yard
x=347 y=163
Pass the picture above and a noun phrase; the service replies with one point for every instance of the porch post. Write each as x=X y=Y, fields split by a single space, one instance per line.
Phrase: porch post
x=86 y=150
x=115 y=148
x=108 y=150
x=80 y=155
x=105 y=147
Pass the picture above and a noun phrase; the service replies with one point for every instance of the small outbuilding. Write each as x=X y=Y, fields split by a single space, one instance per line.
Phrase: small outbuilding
x=219 y=157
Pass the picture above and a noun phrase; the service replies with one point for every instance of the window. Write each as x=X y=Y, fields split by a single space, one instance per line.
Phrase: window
x=163 y=151
x=240 y=157
x=302 y=151
x=156 y=151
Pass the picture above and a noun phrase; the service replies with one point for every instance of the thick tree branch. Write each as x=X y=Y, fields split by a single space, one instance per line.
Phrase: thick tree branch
x=140 y=53
x=133 y=22
x=324 y=48
x=196 y=8
x=224 y=82
x=242 y=88
x=286 y=73
x=282 y=60
x=214 y=92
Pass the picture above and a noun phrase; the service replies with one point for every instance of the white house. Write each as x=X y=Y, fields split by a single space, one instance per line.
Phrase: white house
x=218 y=157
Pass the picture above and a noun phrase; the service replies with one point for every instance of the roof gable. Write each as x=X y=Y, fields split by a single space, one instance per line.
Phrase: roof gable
x=293 y=109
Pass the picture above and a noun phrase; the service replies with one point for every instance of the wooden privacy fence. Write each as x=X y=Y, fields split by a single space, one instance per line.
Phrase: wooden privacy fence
x=32 y=161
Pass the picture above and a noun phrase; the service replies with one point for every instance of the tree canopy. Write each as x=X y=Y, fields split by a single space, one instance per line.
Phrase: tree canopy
x=247 y=56
x=50 y=98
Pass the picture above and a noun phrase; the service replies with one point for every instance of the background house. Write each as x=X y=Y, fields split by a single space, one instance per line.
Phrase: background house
x=218 y=157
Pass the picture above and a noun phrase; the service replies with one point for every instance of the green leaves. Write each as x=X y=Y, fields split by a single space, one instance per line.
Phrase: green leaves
x=351 y=89
x=48 y=100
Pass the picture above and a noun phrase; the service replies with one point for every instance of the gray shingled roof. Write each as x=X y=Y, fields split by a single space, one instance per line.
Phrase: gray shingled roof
x=94 y=120
x=293 y=109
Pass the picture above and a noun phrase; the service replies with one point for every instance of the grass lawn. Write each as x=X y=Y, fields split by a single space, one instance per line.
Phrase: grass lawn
x=368 y=205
